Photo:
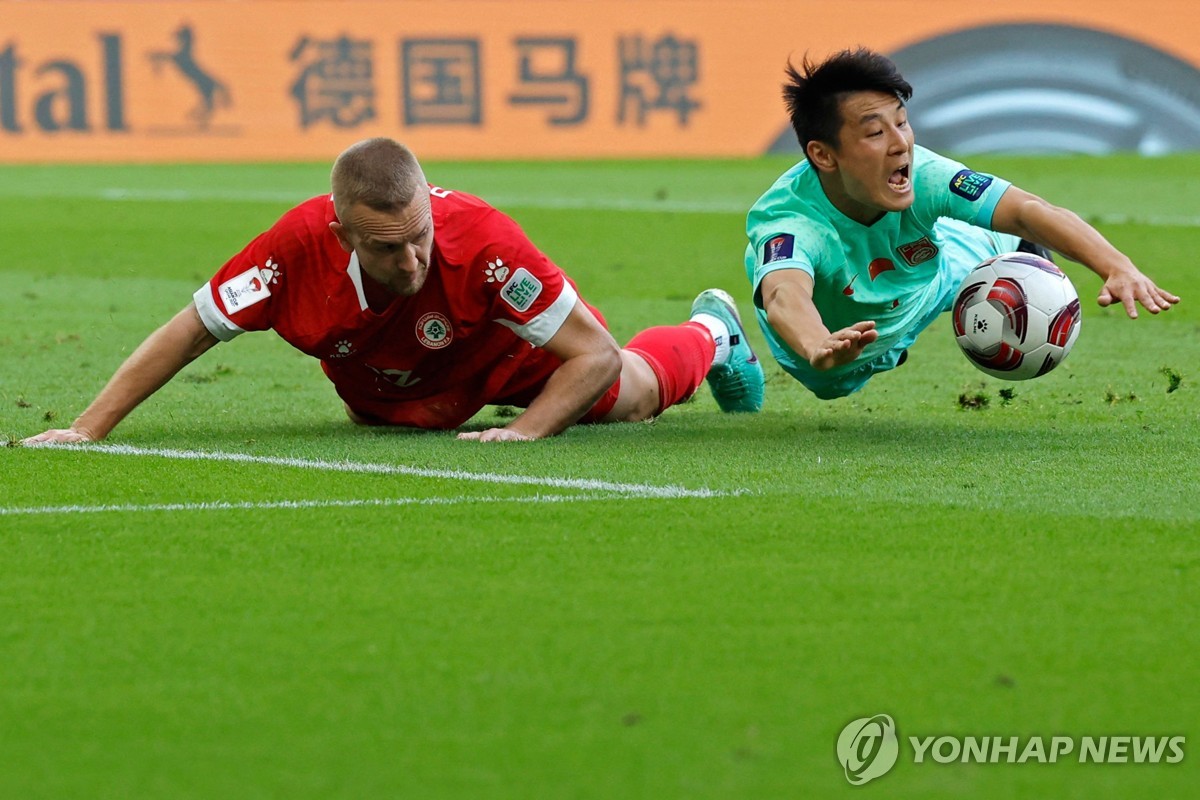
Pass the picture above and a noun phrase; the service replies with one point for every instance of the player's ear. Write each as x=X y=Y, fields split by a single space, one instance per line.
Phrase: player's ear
x=339 y=230
x=821 y=155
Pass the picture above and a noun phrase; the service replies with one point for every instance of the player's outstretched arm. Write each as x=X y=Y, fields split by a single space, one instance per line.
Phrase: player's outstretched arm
x=157 y=360
x=591 y=363
x=787 y=299
x=1031 y=217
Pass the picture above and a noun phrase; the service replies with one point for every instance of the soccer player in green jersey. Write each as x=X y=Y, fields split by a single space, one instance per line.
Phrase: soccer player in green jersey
x=857 y=249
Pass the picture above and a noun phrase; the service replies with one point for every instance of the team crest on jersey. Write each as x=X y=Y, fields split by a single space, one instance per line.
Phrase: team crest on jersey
x=970 y=184
x=243 y=291
x=917 y=252
x=496 y=271
x=434 y=331
x=521 y=290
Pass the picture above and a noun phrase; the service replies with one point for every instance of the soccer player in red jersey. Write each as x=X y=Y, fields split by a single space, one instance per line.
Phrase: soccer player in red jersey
x=423 y=305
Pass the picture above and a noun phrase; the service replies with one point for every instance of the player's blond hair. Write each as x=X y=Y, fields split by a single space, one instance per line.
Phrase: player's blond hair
x=380 y=173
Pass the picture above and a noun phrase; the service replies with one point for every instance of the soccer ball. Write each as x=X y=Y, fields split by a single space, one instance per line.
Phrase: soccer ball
x=1016 y=316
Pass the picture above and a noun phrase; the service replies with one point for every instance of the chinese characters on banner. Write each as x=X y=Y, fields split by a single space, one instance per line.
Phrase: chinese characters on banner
x=442 y=80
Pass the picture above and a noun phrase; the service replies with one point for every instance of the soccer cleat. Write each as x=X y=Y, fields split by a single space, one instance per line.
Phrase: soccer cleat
x=738 y=384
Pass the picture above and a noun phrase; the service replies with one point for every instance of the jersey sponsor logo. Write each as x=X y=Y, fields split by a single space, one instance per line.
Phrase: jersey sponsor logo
x=970 y=184
x=521 y=290
x=878 y=266
x=243 y=291
x=342 y=348
x=270 y=272
x=496 y=271
x=403 y=378
x=917 y=252
x=434 y=331
x=779 y=248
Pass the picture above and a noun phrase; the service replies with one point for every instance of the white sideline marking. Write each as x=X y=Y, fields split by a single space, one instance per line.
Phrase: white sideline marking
x=646 y=205
x=585 y=484
x=299 y=504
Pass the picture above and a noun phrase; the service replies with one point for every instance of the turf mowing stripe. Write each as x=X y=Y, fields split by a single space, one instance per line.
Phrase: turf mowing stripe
x=222 y=505
x=586 y=484
x=632 y=204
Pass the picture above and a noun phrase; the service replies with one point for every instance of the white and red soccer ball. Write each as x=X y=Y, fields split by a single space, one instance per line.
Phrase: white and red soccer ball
x=1016 y=316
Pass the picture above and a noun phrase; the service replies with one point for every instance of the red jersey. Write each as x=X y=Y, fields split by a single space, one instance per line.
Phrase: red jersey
x=470 y=337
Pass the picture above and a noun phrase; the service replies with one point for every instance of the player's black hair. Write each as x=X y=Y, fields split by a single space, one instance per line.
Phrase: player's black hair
x=813 y=91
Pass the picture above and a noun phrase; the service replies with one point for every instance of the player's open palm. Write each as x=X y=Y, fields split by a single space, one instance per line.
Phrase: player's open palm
x=844 y=346
x=58 y=436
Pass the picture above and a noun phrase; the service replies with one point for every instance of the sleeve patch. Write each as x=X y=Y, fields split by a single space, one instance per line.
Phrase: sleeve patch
x=779 y=247
x=521 y=290
x=243 y=291
x=542 y=328
x=217 y=323
x=970 y=184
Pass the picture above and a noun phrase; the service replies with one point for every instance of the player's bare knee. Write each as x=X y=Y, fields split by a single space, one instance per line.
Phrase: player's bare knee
x=638 y=396
x=355 y=418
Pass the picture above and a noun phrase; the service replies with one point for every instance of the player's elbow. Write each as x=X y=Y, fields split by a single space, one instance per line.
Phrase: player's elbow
x=607 y=364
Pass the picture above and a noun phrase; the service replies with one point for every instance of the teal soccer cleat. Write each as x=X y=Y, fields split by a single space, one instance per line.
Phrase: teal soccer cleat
x=738 y=384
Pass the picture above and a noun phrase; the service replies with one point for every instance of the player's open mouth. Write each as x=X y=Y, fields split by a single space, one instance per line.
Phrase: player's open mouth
x=899 y=180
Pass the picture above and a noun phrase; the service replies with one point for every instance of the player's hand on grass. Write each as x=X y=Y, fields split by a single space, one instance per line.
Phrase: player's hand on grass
x=1131 y=286
x=844 y=346
x=495 y=435
x=58 y=436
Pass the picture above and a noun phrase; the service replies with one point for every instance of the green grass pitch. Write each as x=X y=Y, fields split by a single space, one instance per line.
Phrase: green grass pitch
x=578 y=617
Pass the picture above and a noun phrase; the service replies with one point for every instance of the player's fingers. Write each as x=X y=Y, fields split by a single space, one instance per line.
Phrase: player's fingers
x=59 y=436
x=822 y=358
x=1165 y=299
x=468 y=436
x=1130 y=305
x=493 y=435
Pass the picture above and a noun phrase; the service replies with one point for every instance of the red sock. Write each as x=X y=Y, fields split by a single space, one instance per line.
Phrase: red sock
x=680 y=356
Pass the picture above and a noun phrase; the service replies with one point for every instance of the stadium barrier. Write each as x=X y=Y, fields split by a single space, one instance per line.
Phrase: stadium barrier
x=206 y=80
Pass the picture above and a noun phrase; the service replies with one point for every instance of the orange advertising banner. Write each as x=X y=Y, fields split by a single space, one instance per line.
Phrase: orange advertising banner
x=230 y=80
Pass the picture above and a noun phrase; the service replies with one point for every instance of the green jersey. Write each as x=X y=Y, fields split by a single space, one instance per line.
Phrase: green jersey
x=896 y=271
